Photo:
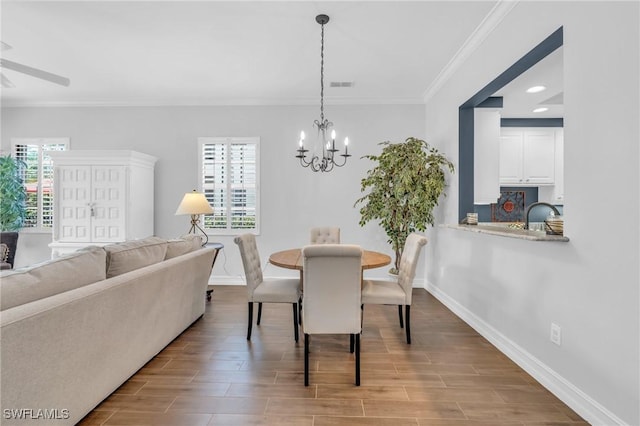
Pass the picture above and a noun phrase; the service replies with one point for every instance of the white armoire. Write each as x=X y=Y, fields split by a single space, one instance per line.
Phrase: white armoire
x=101 y=197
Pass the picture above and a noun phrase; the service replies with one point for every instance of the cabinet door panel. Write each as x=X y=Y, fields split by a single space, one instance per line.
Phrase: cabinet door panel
x=558 y=192
x=539 y=156
x=486 y=156
x=109 y=198
x=74 y=203
x=511 y=151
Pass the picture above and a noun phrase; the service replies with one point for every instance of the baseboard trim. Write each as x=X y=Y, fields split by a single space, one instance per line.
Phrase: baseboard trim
x=228 y=280
x=418 y=283
x=588 y=408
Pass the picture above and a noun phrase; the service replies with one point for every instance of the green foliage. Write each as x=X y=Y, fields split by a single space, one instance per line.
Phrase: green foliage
x=404 y=188
x=12 y=194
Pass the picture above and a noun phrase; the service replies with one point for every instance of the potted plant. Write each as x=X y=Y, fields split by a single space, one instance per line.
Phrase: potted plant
x=403 y=189
x=12 y=194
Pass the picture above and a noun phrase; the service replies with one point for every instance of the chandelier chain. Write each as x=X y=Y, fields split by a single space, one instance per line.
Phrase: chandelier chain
x=322 y=73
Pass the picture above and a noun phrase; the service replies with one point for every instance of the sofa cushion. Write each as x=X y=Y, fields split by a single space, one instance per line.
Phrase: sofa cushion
x=55 y=276
x=183 y=245
x=135 y=254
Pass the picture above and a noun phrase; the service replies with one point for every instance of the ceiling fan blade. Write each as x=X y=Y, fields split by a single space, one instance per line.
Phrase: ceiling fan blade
x=6 y=83
x=34 y=72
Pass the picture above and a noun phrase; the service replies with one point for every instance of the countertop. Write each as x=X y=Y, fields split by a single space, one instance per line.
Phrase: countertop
x=503 y=231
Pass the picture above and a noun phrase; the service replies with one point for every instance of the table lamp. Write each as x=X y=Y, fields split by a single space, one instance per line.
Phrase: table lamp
x=195 y=204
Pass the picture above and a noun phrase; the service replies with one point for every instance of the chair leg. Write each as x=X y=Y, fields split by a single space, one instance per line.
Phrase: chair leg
x=300 y=311
x=306 y=359
x=250 y=320
x=259 y=313
x=400 y=314
x=407 y=309
x=351 y=342
x=295 y=321
x=357 y=359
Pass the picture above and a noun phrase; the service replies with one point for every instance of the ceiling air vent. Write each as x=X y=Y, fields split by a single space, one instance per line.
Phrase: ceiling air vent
x=342 y=84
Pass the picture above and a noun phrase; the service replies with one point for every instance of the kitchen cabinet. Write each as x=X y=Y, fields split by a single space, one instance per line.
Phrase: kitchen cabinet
x=486 y=173
x=555 y=194
x=528 y=156
x=101 y=197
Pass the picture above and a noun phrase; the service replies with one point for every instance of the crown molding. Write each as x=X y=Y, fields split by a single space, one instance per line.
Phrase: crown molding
x=488 y=24
x=211 y=102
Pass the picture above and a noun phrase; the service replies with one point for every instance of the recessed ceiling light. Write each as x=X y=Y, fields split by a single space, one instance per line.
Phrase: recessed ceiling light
x=536 y=89
x=541 y=109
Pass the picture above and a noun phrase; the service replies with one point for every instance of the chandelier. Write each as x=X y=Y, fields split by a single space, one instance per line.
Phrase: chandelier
x=326 y=162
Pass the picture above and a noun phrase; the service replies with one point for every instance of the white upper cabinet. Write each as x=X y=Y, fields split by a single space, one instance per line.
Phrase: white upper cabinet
x=528 y=156
x=558 y=193
x=511 y=155
x=486 y=179
x=555 y=194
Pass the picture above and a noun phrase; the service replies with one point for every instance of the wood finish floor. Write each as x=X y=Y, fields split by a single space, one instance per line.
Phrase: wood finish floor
x=211 y=375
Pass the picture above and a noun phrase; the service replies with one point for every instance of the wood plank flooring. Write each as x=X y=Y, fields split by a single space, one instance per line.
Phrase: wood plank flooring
x=211 y=375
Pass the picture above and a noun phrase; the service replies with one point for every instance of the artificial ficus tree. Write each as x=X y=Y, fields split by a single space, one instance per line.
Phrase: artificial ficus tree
x=403 y=189
x=12 y=194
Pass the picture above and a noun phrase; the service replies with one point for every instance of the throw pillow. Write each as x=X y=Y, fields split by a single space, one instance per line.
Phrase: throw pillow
x=4 y=252
x=135 y=254
x=183 y=245
x=55 y=276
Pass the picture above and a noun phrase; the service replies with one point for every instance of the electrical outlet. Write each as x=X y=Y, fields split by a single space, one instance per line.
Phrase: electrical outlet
x=556 y=334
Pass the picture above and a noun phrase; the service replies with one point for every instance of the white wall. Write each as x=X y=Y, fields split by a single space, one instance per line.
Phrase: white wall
x=512 y=290
x=293 y=199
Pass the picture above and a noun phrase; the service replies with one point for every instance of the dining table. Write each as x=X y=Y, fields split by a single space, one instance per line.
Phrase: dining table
x=292 y=259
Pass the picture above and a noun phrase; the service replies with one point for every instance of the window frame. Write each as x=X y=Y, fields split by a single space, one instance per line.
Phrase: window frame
x=40 y=142
x=228 y=141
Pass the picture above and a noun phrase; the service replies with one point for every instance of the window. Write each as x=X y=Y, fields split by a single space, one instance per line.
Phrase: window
x=37 y=174
x=229 y=179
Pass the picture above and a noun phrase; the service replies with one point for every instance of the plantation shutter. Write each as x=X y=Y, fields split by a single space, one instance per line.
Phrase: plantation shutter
x=230 y=184
x=37 y=175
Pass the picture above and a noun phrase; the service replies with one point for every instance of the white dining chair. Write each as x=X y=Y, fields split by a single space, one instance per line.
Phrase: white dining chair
x=377 y=292
x=331 y=303
x=265 y=290
x=325 y=235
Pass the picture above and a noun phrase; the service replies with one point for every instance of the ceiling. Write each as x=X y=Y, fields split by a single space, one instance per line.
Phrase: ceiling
x=232 y=53
x=548 y=73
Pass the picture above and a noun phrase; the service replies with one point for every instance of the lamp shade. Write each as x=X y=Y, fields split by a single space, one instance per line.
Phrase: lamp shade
x=194 y=203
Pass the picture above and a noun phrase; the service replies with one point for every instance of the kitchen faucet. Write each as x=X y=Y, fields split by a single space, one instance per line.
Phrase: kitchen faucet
x=551 y=206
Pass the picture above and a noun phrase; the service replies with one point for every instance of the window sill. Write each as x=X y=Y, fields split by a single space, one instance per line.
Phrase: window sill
x=35 y=231
x=521 y=234
x=231 y=233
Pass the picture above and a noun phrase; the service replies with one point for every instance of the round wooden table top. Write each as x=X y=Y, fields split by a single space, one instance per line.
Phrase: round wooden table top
x=292 y=259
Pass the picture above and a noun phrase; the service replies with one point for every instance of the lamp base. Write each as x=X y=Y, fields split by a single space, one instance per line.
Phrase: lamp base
x=194 y=225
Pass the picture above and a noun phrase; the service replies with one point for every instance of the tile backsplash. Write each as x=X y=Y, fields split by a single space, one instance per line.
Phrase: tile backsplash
x=512 y=206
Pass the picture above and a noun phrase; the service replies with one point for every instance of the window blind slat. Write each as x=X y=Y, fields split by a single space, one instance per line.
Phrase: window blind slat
x=229 y=182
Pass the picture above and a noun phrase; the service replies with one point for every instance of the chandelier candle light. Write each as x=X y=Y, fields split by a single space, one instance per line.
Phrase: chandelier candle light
x=327 y=161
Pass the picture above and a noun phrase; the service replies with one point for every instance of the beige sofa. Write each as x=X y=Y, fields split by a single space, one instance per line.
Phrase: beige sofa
x=75 y=328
